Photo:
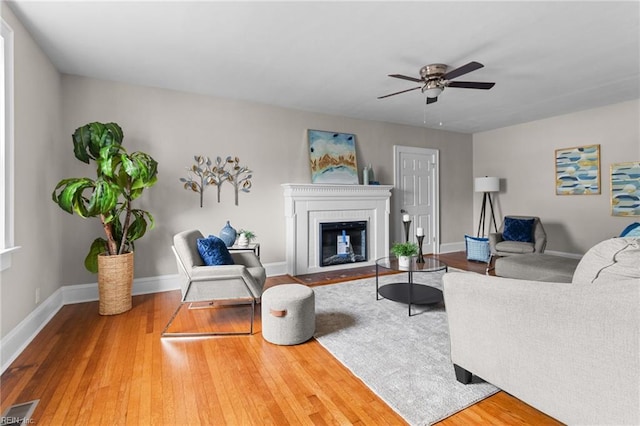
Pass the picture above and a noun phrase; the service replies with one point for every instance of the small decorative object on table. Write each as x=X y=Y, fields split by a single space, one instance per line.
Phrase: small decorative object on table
x=245 y=237
x=406 y=221
x=420 y=237
x=404 y=252
x=228 y=234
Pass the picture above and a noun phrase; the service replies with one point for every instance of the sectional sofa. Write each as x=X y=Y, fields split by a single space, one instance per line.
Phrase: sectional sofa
x=570 y=350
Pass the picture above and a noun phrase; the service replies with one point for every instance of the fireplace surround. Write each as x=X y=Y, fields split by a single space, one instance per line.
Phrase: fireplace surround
x=307 y=206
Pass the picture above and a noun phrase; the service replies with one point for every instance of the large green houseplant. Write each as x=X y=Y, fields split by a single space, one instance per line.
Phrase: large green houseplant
x=120 y=179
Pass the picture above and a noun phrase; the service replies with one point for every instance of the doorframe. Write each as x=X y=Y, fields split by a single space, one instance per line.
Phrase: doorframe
x=434 y=193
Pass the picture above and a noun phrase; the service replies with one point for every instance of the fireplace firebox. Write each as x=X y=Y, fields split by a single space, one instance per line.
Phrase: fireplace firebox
x=343 y=242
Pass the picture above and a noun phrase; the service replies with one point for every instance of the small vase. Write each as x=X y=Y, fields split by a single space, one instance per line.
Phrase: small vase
x=404 y=262
x=243 y=241
x=228 y=234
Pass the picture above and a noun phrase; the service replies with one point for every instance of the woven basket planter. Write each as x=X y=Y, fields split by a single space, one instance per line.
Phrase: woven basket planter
x=115 y=279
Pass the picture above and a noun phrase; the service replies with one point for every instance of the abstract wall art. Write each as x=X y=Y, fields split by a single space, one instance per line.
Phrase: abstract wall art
x=625 y=189
x=578 y=170
x=333 y=157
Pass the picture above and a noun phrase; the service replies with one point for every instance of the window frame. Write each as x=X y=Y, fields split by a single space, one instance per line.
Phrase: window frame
x=7 y=199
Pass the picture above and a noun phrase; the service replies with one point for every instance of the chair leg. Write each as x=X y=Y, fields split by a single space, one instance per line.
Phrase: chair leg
x=489 y=267
x=165 y=333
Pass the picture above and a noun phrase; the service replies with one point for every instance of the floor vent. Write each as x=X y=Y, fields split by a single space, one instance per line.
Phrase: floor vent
x=19 y=414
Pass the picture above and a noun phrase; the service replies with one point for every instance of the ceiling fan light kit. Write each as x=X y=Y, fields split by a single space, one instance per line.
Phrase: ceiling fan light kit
x=435 y=78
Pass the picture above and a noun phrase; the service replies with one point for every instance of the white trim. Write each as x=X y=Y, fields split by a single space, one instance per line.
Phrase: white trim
x=16 y=340
x=564 y=254
x=452 y=247
x=7 y=198
x=5 y=257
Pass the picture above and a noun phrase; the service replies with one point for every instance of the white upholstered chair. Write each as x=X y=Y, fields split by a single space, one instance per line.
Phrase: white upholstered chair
x=242 y=282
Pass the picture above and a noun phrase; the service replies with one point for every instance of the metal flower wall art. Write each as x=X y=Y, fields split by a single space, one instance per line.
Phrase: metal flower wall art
x=205 y=173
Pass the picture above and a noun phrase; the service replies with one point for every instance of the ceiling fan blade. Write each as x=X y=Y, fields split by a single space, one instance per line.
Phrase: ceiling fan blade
x=397 y=93
x=471 y=66
x=471 y=85
x=431 y=100
x=406 y=77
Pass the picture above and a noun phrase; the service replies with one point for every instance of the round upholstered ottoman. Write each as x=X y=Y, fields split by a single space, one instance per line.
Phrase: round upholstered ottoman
x=288 y=314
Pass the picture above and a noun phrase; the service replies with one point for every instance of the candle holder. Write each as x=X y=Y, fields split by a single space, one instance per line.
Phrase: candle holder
x=420 y=255
x=407 y=226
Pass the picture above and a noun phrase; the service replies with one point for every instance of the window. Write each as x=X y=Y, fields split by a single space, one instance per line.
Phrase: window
x=6 y=145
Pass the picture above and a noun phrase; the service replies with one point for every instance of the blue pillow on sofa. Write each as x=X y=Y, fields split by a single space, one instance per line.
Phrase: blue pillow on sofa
x=632 y=230
x=214 y=252
x=518 y=230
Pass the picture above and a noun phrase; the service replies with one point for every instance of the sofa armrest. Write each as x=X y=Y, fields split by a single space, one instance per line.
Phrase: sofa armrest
x=572 y=351
x=494 y=238
x=246 y=258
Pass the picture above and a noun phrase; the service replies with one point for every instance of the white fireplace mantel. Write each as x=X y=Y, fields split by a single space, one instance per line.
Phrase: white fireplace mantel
x=308 y=205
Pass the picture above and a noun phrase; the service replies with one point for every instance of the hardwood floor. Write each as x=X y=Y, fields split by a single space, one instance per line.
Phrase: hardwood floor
x=89 y=369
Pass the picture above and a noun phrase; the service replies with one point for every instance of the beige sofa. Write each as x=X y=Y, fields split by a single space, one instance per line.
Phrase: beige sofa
x=570 y=350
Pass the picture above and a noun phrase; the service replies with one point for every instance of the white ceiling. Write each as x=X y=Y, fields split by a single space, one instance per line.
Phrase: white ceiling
x=547 y=58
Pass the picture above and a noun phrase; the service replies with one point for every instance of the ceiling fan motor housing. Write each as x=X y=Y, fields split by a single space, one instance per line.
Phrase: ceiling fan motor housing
x=432 y=76
x=433 y=71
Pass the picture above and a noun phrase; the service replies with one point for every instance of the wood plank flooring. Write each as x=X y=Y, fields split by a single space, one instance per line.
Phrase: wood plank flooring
x=90 y=369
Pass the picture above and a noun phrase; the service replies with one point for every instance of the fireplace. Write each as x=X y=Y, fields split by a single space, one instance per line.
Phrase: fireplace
x=308 y=206
x=343 y=242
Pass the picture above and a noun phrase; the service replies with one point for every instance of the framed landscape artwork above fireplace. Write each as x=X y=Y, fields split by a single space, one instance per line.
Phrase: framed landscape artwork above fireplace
x=333 y=157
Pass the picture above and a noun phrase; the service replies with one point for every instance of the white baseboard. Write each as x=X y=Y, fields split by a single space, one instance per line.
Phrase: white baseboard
x=16 y=340
x=564 y=254
x=460 y=246
x=452 y=247
x=12 y=345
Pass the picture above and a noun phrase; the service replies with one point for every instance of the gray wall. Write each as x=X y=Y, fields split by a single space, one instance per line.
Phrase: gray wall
x=174 y=126
x=38 y=163
x=524 y=157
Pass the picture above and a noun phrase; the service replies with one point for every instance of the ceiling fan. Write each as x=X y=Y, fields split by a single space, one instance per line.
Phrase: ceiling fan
x=434 y=78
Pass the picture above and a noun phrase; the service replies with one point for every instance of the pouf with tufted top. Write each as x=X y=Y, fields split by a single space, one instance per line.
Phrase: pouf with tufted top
x=288 y=314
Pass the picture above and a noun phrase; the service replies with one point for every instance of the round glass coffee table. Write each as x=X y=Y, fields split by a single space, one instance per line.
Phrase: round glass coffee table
x=409 y=292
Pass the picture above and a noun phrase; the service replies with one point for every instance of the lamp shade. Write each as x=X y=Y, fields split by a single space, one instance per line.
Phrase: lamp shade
x=487 y=184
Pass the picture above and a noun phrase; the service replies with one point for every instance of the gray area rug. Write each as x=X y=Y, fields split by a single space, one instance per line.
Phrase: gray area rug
x=404 y=360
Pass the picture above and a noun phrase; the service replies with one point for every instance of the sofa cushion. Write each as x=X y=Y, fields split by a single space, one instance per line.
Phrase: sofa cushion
x=514 y=247
x=518 y=229
x=609 y=261
x=214 y=251
x=537 y=267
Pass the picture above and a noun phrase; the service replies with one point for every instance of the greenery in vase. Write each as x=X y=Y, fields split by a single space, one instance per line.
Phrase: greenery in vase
x=404 y=249
x=120 y=179
x=249 y=235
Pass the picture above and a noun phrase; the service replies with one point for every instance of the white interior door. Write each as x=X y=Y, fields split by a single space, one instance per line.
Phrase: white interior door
x=416 y=193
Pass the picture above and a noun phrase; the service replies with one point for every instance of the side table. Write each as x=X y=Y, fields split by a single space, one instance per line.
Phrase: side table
x=254 y=247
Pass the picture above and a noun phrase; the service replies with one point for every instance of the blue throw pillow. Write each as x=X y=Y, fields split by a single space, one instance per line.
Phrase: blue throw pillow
x=213 y=251
x=477 y=248
x=518 y=230
x=632 y=230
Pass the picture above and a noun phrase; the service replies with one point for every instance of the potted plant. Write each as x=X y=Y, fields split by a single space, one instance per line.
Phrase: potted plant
x=120 y=179
x=404 y=252
x=245 y=237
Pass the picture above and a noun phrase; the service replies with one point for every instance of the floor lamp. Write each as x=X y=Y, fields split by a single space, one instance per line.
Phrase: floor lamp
x=487 y=185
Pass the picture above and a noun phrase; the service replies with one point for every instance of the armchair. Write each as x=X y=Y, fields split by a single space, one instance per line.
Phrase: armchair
x=241 y=283
x=501 y=246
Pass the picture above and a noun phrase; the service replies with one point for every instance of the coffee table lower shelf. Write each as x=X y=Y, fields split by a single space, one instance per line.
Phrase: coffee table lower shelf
x=411 y=293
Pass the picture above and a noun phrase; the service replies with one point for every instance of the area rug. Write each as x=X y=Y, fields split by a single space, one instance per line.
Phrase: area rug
x=404 y=360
